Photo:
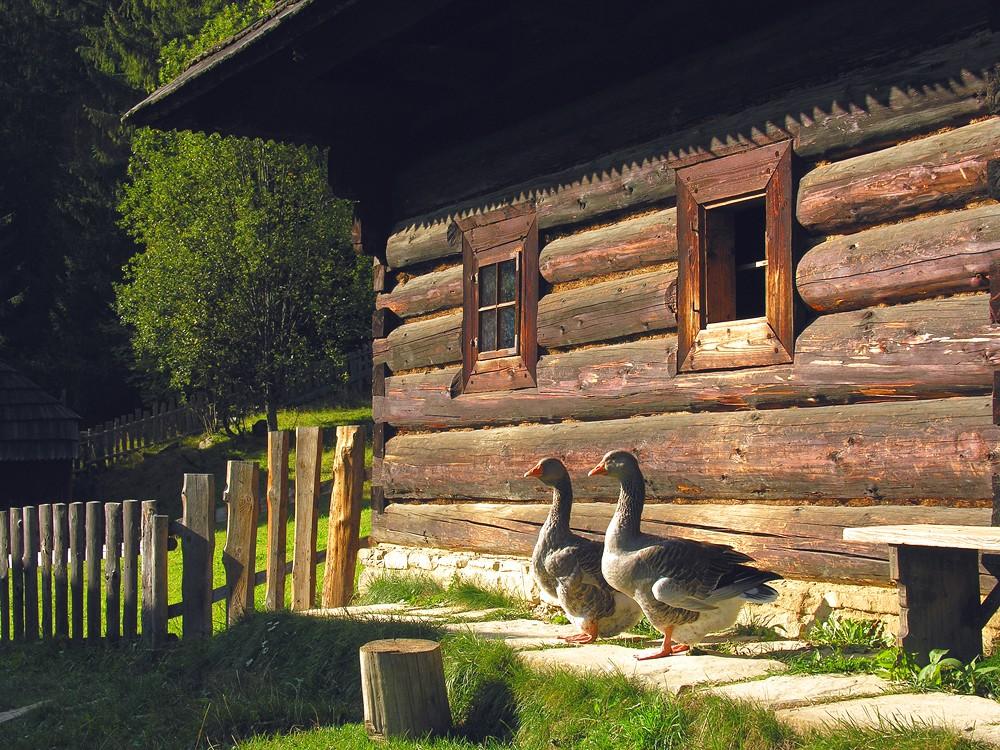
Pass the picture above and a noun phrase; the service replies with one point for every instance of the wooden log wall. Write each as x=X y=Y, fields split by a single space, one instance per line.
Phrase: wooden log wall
x=885 y=403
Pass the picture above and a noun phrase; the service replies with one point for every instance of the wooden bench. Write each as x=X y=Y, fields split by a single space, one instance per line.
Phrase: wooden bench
x=937 y=571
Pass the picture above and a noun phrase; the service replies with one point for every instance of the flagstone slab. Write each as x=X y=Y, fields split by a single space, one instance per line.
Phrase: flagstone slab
x=969 y=715
x=792 y=691
x=673 y=674
x=518 y=634
x=16 y=713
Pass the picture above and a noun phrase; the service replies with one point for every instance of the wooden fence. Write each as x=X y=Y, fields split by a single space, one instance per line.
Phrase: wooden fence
x=55 y=558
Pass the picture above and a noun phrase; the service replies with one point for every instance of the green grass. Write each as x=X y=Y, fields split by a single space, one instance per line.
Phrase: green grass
x=424 y=591
x=848 y=633
x=282 y=681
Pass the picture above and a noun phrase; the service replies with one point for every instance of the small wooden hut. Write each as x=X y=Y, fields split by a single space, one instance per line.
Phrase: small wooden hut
x=38 y=443
x=754 y=246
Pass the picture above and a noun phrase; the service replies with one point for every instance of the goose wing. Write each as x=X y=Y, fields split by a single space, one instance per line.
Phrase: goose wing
x=581 y=592
x=686 y=574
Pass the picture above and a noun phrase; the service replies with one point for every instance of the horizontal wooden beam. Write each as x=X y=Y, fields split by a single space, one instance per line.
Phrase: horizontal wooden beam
x=922 y=350
x=940 y=171
x=610 y=309
x=862 y=110
x=938 y=450
x=802 y=542
x=926 y=257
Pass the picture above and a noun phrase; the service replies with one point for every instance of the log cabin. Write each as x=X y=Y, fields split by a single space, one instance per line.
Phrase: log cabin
x=754 y=247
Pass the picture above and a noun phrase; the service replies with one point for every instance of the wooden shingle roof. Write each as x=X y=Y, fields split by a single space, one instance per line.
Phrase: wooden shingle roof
x=34 y=426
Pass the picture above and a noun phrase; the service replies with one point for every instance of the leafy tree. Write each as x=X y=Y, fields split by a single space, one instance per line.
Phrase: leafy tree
x=248 y=281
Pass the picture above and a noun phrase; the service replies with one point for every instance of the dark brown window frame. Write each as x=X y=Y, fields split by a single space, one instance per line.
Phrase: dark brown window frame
x=755 y=342
x=507 y=233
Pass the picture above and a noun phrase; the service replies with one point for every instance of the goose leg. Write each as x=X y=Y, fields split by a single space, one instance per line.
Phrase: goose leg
x=588 y=634
x=667 y=649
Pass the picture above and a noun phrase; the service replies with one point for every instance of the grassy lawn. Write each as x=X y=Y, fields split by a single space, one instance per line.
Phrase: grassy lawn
x=278 y=681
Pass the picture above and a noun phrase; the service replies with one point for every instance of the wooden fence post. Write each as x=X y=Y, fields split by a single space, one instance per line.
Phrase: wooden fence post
x=76 y=538
x=277 y=518
x=17 y=571
x=240 y=552
x=154 y=575
x=60 y=545
x=308 y=461
x=130 y=567
x=30 y=573
x=198 y=540
x=45 y=533
x=345 y=516
x=4 y=576
x=112 y=571
x=93 y=560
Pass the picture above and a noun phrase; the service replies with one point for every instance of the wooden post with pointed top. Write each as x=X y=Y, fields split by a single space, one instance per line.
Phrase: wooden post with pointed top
x=345 y=516
x=308 y=459
x=240 y=552
x=277 y=518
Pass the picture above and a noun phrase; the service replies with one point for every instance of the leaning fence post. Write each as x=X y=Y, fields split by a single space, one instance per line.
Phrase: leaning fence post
x=112 y=571
x=154 y=575
x=308 y=459
x=345 y=516
x=93 y=560
x=30 y=573
x=277 y=518
x=240 y=552
x=198 y=547
x=17 y=571
x=4 y=576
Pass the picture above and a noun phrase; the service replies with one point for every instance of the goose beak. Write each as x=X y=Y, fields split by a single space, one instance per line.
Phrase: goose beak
x=535 y=472
x=601 y=468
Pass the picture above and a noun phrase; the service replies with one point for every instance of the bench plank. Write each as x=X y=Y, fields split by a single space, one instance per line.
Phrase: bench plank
x=926 y=535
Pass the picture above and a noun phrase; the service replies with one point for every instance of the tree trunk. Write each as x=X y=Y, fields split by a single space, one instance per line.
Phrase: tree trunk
x=271 y=409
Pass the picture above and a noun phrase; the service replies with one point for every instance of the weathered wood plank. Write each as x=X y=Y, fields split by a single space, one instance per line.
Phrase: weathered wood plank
x=931 y=173
x=4 y=576
x=926 y=257
x=803 y=542
x=239 y=553
x=45 y=554
x=644 y=303
x=30 y=573
x=131 y=535
x=95 y=543
x=861 y=110
x=198 y=548
x=308 y=464
x=112 y=568
x=17 y=572
x=60 y=544
x=148 y=533
x=345 y=516
x=984 y=538
x=895 y=451
x=77 y=534
x=632 y=243
x=155 y=592
x=921 y=350
x=277 y=518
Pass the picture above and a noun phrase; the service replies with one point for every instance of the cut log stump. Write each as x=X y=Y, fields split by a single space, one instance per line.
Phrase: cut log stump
x=402 y=684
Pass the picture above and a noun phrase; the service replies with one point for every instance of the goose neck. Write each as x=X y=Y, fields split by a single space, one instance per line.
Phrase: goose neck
x=630 y=503
x=562 y=505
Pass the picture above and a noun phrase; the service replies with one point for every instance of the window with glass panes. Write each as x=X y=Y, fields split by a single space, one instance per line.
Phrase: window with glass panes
x=500 y=299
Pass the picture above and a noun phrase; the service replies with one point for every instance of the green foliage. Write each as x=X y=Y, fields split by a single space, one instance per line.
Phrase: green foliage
x=757 y=625
x=248 y=282
x=844 y=632
x=424 y=591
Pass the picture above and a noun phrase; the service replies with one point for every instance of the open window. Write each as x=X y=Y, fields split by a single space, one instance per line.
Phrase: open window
x=500 y=299
x=734 y=241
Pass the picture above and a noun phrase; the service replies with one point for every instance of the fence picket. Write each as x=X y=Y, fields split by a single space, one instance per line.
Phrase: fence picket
x=155 y=530
x=130 y=567
x=4 y=576
x=45 y=534
x=345 y=516
x=30 y=572
x=60 y=544
x=112 y=571
x=76 y=541
x=277 y=518
x=239 y=553
x=308 y=459
x=93 y=560
x=198 y=521
x=17 y=571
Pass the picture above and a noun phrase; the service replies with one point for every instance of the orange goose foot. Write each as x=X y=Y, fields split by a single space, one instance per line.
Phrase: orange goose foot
x=588 y=634
x=667 y=649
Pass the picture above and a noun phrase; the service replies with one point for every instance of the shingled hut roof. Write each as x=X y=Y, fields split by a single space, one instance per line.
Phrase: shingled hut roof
x=34 y=426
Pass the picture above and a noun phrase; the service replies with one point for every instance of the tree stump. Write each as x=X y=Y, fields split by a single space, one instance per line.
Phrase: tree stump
x=403 y=688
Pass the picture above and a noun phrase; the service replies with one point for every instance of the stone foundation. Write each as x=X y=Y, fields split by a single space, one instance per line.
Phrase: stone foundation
x=800 y=603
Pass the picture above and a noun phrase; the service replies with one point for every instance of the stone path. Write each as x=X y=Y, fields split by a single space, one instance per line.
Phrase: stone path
x=802 y=701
